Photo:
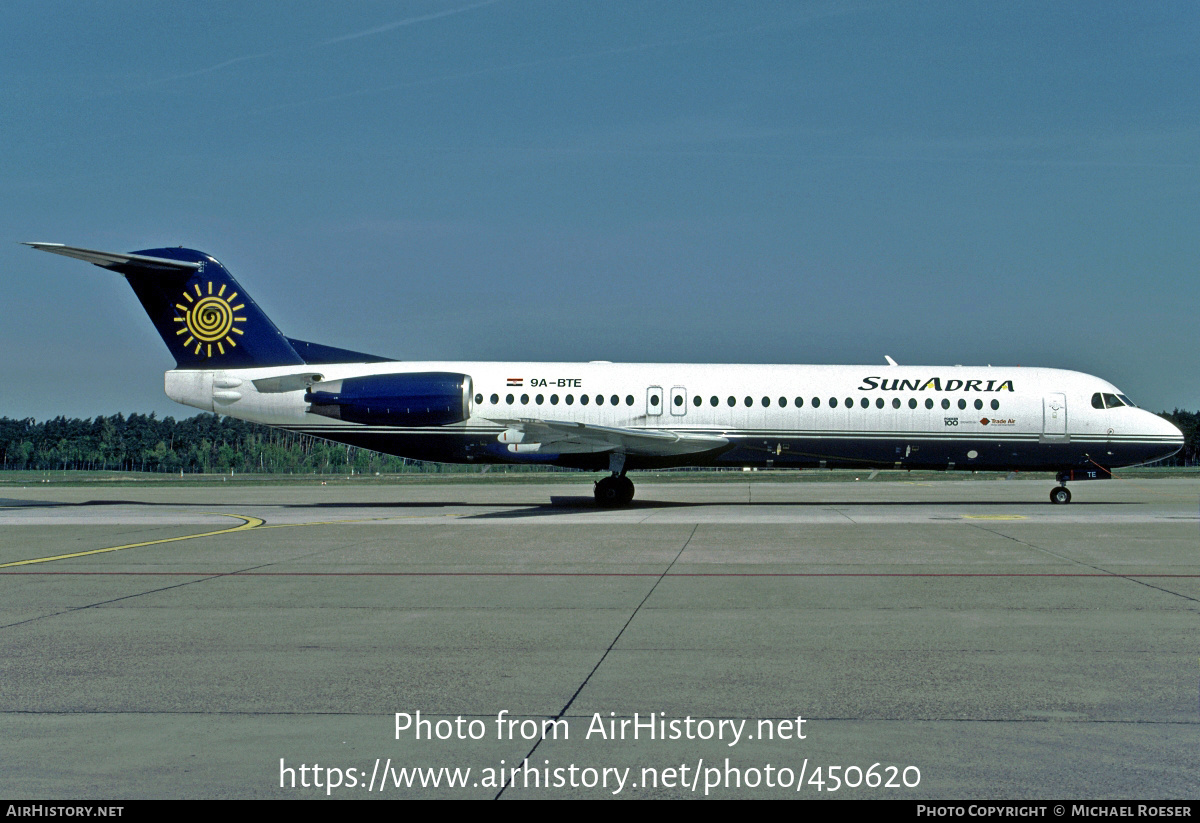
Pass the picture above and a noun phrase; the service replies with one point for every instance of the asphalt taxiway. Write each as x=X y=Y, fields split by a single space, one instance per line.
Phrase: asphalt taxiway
x=201 y=641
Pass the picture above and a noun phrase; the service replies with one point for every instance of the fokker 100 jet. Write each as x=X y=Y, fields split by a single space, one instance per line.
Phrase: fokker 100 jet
x=617 y=417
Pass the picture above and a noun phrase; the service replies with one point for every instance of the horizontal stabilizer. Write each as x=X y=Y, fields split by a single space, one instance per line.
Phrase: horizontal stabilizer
x=112 y=260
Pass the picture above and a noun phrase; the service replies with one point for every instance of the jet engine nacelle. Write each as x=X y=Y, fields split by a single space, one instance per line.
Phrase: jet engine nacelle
x=413 y=399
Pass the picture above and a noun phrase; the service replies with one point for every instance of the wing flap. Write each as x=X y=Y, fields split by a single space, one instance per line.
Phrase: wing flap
x=570 y=437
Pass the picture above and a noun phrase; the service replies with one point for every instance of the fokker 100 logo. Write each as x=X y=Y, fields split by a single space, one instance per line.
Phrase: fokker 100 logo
x=209 y=319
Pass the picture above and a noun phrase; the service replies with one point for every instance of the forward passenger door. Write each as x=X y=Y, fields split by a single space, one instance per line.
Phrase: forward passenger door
x=1054 y=416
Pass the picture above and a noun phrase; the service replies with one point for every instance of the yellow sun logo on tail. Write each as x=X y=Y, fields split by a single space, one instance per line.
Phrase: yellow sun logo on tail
x=209 y=319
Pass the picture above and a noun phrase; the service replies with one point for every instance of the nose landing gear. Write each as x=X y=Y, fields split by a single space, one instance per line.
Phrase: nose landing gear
x=1061 y=495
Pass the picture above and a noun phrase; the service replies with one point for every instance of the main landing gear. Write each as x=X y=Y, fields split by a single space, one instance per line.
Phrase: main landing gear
x=616 y=489
x=1060 y=494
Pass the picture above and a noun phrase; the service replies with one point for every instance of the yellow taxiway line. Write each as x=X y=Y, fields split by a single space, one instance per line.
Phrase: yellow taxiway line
x=248 y=523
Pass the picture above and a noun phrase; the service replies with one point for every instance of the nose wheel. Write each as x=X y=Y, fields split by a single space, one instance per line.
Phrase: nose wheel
x=613 y=491
x=1060 y=495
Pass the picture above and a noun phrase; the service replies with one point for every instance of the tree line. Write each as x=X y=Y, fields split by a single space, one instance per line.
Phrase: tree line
x=204 y=443
x=212 y=443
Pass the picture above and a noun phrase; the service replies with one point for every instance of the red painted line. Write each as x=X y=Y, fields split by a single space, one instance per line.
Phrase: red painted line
x=603 y=574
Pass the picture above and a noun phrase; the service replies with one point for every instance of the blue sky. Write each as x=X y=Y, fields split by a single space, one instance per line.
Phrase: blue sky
x=945 y=182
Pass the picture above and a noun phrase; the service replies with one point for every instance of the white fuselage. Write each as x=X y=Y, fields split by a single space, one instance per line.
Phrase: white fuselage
x=992 y=418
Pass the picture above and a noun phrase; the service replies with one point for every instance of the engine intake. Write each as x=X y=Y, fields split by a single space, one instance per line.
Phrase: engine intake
x=413 y=399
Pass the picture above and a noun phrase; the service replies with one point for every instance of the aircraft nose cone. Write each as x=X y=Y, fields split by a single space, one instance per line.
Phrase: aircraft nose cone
x=1165 y=433
x=1168 y=429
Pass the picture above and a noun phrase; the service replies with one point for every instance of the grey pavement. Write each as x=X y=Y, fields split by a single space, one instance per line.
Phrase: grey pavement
x=968 y=632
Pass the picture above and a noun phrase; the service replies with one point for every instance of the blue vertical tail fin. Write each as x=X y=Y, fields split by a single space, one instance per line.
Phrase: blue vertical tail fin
x=206 y=319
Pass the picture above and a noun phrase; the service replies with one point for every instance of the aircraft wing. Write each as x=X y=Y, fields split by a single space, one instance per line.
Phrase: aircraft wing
x=560 y=437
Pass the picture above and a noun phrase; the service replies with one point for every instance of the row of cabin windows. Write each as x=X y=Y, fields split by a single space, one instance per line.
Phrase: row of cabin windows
x=569 y=399
x=731 y=401
x=864 y=402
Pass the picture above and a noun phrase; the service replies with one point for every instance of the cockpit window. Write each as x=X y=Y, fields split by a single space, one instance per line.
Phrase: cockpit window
x=1111 y=401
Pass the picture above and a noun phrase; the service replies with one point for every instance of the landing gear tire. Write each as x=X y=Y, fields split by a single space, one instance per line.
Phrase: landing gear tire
x=625 y=486
x=1060 y=495
x=608 y=493
x=613 y=491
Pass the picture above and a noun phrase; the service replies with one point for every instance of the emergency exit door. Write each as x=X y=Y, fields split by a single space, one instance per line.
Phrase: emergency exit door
x=678 y=401
x=654 y=400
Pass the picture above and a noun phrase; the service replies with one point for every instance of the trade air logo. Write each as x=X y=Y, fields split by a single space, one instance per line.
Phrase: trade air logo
x=209 y=319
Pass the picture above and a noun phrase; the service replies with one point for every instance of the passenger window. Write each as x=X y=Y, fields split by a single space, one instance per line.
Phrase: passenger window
x=849 y=402
x=509 y=399
x=766 y=402
x=783 y=402
x=539 y=399
x=879 y=402
x=713 y=401
x=599 y=400
x=978 y=405
x=570 y=399
x=731 y=401
x=799 y=402
x=816 y=402
x=479 y=398
x=833 y=402
x=945 y=403
x=1097 y=403
x=495 y=399
x=629 y=400
x=929 y=402
x=697 y=400
x=865 y=403
x=895 y=402
x=995 y=405
x=912 y=402
x=678 y=400
x=554 y=400
x=962 y=404
x=616 y=401
x=749 y=401
x=583 y=398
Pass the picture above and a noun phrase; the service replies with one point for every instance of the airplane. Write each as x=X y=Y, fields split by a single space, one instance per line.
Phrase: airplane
x=620 y=417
